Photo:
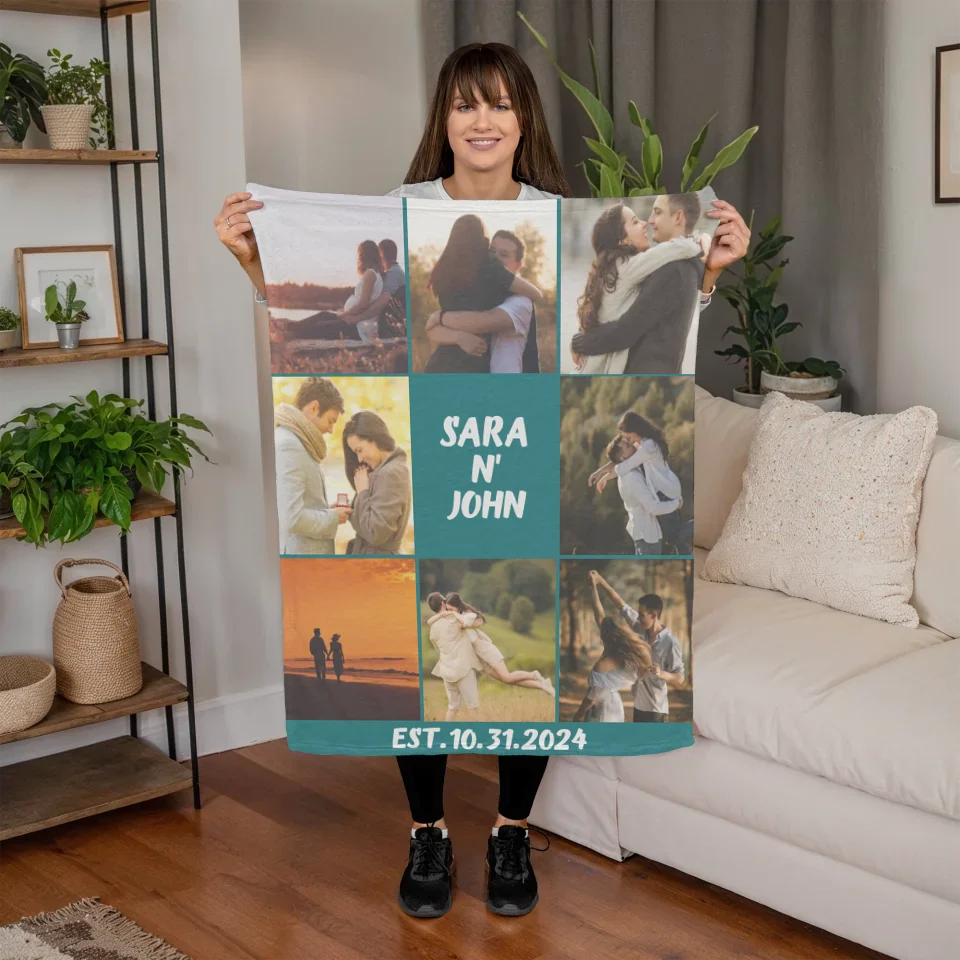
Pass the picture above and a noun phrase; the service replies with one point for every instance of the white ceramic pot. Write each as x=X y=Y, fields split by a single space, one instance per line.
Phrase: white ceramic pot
x=9 y=338
x=68 y=125
x=799 y=388
x=754 y=400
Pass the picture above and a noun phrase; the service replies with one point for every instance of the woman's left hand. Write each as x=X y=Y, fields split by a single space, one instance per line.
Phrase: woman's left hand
x=361 y=479
x=602 y=482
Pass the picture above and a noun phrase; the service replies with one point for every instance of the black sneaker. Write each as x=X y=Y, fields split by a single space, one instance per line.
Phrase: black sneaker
x=426 y=887
x=511 y=882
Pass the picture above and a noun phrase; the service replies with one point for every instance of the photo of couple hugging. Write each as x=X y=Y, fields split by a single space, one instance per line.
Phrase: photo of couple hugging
x=615 y=650
x=633 y=293
x=650 y=458
x=483 y=291
x=354 y=495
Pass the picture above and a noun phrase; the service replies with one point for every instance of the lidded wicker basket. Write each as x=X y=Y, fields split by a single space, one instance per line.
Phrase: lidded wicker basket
x=96 y=647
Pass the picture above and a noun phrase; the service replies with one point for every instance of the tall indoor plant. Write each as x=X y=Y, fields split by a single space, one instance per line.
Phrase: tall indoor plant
x=77 y=114
x=610 y=172
x=23 y=92
x=763 y=324
x=65 y=465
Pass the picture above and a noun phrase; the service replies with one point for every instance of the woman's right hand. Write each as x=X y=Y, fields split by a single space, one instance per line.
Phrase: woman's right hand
x=236 y=231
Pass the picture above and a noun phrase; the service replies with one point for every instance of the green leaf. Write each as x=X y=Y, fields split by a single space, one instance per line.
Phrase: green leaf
x=610 y=185
x=593 y=177
x=92 y=399
x=693 y=155
x=643 y=192
x=652 y=156
x=115 y=497
x=608 y=155
x=726 y=157
x=51 y=300
x=598 y=114
x=117 y=441
x=645 y=125
x=596 y=71
x=20 y=506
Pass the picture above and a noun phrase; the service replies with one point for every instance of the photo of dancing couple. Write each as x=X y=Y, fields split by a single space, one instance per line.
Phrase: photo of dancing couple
x=625 y=641
x=336 y=285
x=345 y=658
x=341 y=447
x=488 y=640
x=633 y=273
x=626 y=466
x=483 y=286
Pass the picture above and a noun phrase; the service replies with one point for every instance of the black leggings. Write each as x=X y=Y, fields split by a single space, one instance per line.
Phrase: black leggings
x=423 y=780
x=322 y=326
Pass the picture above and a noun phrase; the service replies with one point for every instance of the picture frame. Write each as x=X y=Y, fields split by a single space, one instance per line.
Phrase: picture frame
x=946 y=150
x=93 y=267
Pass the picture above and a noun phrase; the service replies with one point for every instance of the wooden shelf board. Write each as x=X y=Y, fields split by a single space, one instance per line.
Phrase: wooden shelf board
x=76 y=156
x=76 y=8
x=39 y=356
x=146 y=506
x=78 y=783
x=158 y=690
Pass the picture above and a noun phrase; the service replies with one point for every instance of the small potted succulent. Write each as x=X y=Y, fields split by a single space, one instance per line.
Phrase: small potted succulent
x=77 y=114
x=66 y=311
x=9 y=324
x=23 y=91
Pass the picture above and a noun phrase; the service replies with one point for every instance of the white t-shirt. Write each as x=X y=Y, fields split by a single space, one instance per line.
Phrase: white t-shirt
x=506 y=351
x=433 y=190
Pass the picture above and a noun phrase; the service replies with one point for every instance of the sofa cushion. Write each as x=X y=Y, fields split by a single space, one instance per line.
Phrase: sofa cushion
x=858 y=701
x=829 y=508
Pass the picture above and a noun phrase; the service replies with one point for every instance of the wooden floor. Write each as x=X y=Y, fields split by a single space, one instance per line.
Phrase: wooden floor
x=295 y=856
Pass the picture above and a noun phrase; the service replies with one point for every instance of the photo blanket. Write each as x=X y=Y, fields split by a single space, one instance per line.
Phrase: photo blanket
x=473 y=561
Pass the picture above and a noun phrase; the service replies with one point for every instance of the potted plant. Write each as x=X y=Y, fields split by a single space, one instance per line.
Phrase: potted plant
x=76 y=114
x=23 y=91
x=610 y=173
x=66 y=311
x=9 y=324
x=65 y=465
x=761 y=326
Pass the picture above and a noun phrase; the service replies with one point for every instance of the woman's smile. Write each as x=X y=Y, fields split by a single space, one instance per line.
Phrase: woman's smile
x=483 y=143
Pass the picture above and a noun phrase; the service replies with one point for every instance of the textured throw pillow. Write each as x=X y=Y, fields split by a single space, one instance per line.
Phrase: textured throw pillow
x=829 y=508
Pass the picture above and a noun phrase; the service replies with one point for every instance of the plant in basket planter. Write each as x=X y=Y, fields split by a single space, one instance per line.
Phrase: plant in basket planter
x=23 y=92
x=65 y=465
x=763 y=324
x=77 y=114
x=9 y=324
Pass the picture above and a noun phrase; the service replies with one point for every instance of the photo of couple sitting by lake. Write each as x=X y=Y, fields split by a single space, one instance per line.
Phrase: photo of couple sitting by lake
x=632 y=283
x=483 y=286
x=488 y=640
x=626 y=466
x=625 y=641
x=336 y=284
x=350 y=639
x=342 y=457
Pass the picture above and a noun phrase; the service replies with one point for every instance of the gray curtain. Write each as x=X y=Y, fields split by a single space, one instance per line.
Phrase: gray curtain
x=809 y=72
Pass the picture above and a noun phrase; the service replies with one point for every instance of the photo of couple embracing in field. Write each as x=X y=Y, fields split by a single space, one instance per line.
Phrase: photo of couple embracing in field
x=354 y=494
x=626 y=466
x=493 y=659
x=633 y=271
x=483 y=287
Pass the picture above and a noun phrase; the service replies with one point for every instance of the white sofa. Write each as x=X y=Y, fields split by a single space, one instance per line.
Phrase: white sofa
x=825 y=779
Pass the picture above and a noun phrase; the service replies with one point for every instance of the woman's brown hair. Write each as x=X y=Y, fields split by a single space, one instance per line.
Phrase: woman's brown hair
x=475 y=72
x=466 y=249
x=632 y=422
x=457 y=602
x=366 y=425
x=623 y=644
x=609 y=246
x=368 y=258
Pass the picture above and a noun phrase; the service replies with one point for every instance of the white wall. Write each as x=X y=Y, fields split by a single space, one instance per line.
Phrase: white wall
x=231 y=568
x=920 y=258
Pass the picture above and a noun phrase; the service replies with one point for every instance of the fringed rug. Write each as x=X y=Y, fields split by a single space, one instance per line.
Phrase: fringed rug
x=85 y=930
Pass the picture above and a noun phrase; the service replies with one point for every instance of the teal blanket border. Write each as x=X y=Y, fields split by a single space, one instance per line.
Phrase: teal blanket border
x=375 y=738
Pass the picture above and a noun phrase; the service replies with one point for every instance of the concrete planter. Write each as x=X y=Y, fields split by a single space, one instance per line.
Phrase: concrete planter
x=9 y=338
x=755 y=400
x=799 y=388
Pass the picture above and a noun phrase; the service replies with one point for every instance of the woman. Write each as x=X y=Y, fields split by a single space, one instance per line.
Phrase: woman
x=380 y=473
x=624 y=259
x=486 y=138
x=327 y=325
x=468 y=277
x=624 y=658
x=493 y=661
x=336 y=654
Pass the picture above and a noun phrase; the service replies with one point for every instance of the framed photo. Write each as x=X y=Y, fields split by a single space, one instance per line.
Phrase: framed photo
x=946 y=148
x=92 y=268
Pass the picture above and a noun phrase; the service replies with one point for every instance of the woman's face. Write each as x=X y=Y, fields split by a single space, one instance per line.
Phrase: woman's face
x=635 y=230
x=368 y=453
x=483 y=137
x=634 y=438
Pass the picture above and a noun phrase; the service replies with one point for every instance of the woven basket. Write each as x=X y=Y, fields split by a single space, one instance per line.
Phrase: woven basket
x=68 y=125
x=27 y=686
x=96 y=649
